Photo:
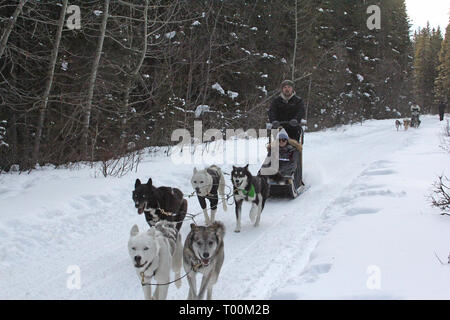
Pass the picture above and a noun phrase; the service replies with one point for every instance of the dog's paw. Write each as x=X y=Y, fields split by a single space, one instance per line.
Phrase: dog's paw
x=178 y=282
x=252 y=216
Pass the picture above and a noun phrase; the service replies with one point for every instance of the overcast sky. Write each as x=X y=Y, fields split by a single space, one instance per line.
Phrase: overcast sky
x=435 y=11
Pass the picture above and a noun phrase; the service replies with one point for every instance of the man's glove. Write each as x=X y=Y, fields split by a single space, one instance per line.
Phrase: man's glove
x=293 y=123
x=275 y=125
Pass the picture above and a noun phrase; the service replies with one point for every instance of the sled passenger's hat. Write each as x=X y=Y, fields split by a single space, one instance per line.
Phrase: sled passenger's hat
x=282 y=135
x=287 y=83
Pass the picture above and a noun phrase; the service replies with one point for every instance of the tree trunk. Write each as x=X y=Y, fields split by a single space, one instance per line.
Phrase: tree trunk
x=93 y=77
x=132 y=78
x=10 y=26
x=208 y=62
x=295 y=41
x=48 y=86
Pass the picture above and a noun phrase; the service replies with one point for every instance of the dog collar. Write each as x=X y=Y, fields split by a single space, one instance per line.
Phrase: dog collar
x=250 y=193
x=143 y=273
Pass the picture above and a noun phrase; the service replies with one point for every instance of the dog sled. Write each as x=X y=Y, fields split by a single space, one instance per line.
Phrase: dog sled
x=415 y=121
x=285 y=183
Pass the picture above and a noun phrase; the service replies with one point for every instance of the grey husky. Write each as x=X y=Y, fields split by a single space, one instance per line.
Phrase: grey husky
x=154 y=253
x=203 y=252
x=209 y=183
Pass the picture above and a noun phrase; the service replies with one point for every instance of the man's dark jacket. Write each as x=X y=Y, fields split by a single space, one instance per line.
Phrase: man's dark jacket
x=282 y=110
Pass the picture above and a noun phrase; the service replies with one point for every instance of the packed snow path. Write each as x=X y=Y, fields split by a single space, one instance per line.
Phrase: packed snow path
x=51 y=220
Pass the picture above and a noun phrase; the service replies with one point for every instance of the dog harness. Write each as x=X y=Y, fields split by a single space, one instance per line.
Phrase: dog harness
x=215 y=183
x=250 y=193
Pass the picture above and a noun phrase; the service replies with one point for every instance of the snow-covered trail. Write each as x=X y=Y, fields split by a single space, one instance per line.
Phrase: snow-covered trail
x=53 y=219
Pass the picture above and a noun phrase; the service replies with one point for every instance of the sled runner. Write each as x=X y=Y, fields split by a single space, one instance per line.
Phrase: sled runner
x=287 y=182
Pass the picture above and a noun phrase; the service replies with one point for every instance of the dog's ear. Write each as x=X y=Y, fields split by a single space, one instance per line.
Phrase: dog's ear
x=195 y=170
x=234 y=168
x=246 y=167
x=137 y=183
x=149 y=182
x=219 y=229
x=193 y=226
x=134 y=230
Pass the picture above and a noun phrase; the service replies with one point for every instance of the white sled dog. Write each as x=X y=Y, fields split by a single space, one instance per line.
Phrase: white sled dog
x=203 y=252
x=209 y=183
x=154 y=253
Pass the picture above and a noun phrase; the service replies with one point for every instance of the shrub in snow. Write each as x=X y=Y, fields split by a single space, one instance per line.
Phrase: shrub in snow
x=441 y=195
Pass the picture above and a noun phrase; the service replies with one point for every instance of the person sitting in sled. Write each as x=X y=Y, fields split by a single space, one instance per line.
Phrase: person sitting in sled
x=288 y=155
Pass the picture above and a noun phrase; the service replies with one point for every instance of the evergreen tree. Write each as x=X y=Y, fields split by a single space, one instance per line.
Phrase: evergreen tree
x=442 y=83
x=427 y=47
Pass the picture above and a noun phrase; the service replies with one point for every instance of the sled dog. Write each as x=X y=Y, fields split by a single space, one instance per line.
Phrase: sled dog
x=398 y=124
x=249 y=188
x=208 y=184
x=163 y=203
x=406 y=123
x=203 y=252
x=154 y=253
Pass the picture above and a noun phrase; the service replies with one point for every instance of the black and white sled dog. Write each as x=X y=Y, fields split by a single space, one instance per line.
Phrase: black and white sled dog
x=209 y=183
x=154 y=253
x=163 y=203
x=203 y=252
x=248 y=188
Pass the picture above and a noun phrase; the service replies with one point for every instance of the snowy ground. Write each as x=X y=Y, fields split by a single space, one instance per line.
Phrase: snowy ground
x=363 y=230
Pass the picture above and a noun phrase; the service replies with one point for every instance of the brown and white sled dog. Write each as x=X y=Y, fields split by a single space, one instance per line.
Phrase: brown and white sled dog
x=398 y=124
x=247 y=187
x=406 y=123
x=154 y=253
x=203 y=253
x=209 y=183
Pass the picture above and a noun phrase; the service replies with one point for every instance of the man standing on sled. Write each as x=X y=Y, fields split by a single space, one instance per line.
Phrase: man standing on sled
x=287 y=107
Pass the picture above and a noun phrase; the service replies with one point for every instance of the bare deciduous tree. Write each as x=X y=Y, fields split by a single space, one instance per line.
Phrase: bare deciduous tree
x=49 y=83
x=92 y=78
x=10 y=26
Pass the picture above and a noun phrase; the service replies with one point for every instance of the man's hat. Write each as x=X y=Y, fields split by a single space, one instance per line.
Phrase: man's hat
x=287 y=83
